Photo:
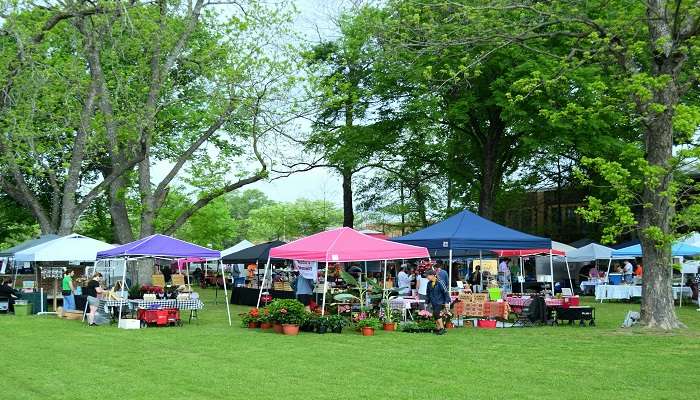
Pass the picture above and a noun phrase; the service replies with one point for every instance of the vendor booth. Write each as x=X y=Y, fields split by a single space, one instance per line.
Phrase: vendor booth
x=252 y=259
x=160 y=247
x=466 y=233
x=610 y=290
x=342 y=245
x=50 y=258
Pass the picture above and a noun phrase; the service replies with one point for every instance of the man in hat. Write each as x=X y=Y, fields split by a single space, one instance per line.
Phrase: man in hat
x=438 y=298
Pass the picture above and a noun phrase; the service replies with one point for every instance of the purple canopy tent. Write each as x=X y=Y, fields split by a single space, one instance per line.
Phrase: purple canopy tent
x=159 y=246
x=165 y=247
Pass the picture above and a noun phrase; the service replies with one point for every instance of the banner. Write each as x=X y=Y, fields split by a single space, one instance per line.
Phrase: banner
x=307 y=269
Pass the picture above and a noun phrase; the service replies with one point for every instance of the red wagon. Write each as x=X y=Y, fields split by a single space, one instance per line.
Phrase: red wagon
x=159 y=317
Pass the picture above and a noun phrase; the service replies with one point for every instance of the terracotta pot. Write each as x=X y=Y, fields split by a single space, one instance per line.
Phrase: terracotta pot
x=449 y=325
x=367 y=331
x=390 y=326
x=291 y=330
x=253 y=325
x=277 y=327
x=265 y=325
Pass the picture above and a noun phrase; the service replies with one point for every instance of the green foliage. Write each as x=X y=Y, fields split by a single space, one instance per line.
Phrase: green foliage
x=287 y=311
x=292 y=220
x=371 y=322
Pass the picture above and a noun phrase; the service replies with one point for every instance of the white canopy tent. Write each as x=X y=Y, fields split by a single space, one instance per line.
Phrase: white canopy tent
x=590 y=252
x=243 y=244
x=562 y=247
x=70 y=248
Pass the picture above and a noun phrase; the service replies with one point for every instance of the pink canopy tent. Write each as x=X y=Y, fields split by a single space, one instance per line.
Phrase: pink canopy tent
x=342 y=245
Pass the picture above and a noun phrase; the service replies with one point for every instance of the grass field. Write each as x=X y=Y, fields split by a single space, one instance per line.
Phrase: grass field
x=48 y=358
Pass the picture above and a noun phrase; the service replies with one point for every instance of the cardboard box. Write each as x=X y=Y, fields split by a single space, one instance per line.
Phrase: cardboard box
x=130 y=324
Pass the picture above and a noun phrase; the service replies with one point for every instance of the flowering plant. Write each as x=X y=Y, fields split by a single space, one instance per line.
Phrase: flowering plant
x=251 y=316
x=424 y=315
x=287 y=311
x=368 y=323
x=151 y=289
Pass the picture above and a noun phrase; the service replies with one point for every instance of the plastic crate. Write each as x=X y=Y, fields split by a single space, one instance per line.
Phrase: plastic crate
x=487 y=324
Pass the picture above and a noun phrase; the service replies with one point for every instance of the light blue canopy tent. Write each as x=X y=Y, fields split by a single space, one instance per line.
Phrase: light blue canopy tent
x=678 y=249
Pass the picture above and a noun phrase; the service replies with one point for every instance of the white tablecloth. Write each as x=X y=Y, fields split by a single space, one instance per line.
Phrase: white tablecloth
x=617 y=292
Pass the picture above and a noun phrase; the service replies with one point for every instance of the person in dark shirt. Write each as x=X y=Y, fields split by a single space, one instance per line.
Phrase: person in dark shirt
x=93 y=292
x=7 y=291
x=438 y=298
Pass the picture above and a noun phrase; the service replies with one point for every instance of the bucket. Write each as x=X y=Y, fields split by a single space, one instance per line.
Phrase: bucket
x=23 y=310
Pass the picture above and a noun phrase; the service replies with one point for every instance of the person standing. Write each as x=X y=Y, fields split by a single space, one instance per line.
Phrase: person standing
x=7 y=291
x=422 y=287
x=628 y=271
x=68 y=291
x=476 y=280
x=404 y=281
x=93 y=292
x=304 y=290
x=442 y=274
x=439 y=300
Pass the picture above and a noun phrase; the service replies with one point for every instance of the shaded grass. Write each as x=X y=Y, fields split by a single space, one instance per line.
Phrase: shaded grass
x=56 y=359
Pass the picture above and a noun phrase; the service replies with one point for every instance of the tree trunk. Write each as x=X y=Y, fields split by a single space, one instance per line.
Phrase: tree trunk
x=657 y=296
x=489 y=181
x=348 y=212
x=148 y=212
x=120 y=215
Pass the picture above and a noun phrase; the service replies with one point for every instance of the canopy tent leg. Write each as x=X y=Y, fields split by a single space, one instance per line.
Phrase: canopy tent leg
x=551 y=270
x=449 y=268
x=384 y=280
x=216 y=286
x=568 y=271
x=121 y=304
x=228 y=302
x=522 y=276
x=607 y=278
x=325 y=289
x=267 y=265
x=481 y=273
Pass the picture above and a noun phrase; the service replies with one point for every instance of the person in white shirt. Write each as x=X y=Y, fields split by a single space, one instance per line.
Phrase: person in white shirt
x=422 y=286
x=628 y=271
x=404 y=281
x=504 y=275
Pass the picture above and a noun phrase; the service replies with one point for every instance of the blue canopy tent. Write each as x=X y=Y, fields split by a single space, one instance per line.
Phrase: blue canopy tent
x=678 y=249
x=468 y=231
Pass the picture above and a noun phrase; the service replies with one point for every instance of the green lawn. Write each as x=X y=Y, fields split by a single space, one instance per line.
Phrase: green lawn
x=49 y=358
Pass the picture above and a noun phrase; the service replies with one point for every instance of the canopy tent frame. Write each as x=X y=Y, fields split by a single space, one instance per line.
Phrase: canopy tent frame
x=327 y=246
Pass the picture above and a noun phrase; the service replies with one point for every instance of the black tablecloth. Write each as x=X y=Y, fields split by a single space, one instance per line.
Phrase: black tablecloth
x=249 y=297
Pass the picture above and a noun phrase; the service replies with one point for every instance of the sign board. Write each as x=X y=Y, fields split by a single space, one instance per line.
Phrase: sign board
x=307 y=269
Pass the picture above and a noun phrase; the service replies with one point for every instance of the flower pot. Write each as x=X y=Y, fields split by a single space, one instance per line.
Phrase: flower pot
x=253 y=325
x=389 y=326
x=290 y=329
x=277 y=327
x=265 y=325
x=367 y=331
x=321 y=329
x=449 y=325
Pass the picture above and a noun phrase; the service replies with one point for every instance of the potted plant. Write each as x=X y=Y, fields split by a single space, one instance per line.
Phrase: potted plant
x=447 y=319
x=323 y=324
x=409 y=326
x=251 y=318
x=336 y=323
x=289 y=313
x=368 y=325
x=264 y=319
x=310 y=322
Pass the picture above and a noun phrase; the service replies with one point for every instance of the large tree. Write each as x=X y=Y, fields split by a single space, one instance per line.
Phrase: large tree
x=649 y=52
x=170 y=85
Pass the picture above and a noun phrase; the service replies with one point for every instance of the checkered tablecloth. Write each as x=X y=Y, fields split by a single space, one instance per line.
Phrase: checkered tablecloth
x=518 y=301
x=554 y=302
x=116 y=303
x=193 y=304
